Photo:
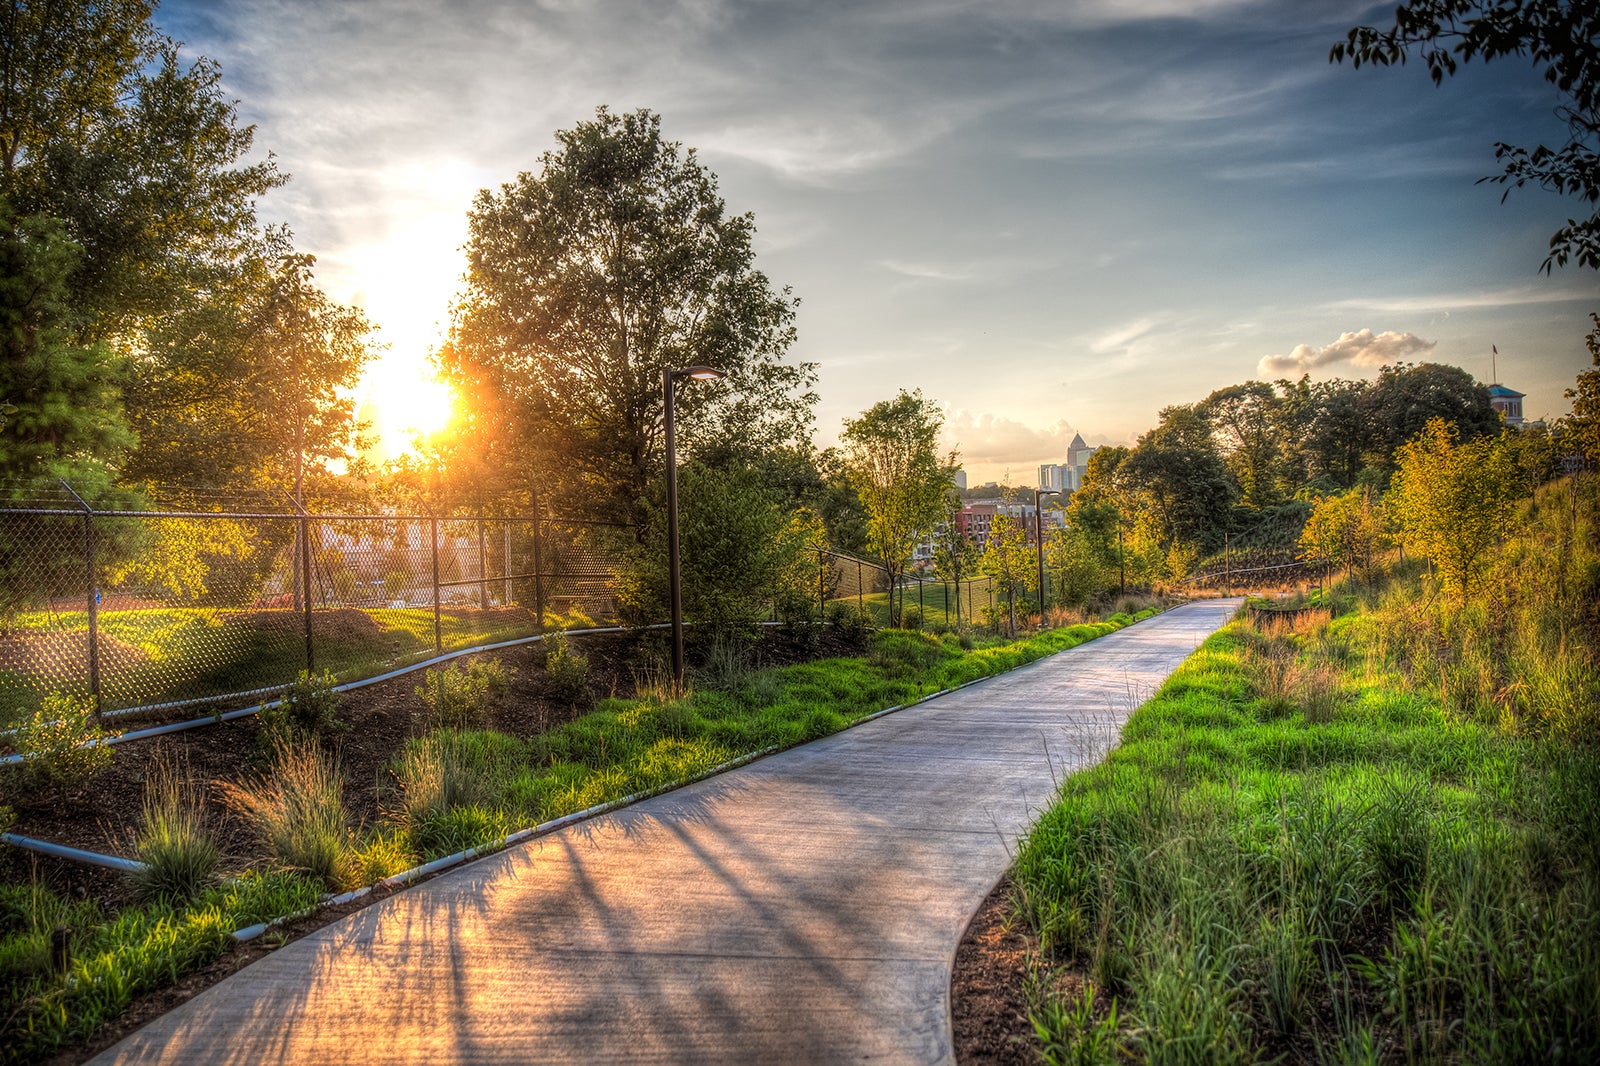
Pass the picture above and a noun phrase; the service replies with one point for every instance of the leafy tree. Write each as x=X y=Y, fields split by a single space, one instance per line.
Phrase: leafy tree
x=891 y=455
x=1011 y=562
x=1406 y=397
x=1451 y=500
x=1583 y=426
x=250 y=386
x=1559 y=36
x=1344 y=530
x=1330 y=430
x=955 y=558
x=1245 y=422
x=618 y=260
x=1177 y=476
x=65 y=395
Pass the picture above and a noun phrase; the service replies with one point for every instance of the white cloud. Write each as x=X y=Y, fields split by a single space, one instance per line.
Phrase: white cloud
x=1455 y=301
x=1362 y=348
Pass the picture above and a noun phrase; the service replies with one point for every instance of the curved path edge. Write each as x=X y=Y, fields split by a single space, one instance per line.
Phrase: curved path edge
x=803 y=908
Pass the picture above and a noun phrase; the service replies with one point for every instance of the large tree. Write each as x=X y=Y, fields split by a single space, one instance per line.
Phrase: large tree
x=892 y=455
x=1562 y=40
x=138 y=155
x=1246 y=422
x=615 y=261
x=1183 y=484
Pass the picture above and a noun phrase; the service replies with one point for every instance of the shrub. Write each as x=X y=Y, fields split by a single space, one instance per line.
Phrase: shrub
x=308 y=710
x=456 y=696
x=850 y=621
x=298 y=812
x=175 y=843
x=911 y=617
x=566 y=670
x=62 y=743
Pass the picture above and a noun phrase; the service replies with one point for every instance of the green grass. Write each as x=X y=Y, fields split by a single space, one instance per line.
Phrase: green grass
x=115 y=957
x=1244 y=883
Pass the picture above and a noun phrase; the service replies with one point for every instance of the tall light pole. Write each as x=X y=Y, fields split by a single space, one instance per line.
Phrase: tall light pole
x=1038 y=522
x=674 y=572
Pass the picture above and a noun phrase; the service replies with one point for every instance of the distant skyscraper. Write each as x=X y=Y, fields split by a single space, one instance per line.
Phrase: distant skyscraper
x=961 y=479
x=1078 y=453
x=1053 y=477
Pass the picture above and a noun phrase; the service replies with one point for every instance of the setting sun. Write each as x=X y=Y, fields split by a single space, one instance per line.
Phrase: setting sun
x=406 y=405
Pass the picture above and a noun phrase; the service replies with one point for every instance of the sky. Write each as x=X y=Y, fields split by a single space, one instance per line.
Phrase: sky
x=1051 y=217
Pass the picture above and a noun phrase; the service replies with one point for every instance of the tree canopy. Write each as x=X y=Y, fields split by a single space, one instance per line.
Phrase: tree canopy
x=615 y=261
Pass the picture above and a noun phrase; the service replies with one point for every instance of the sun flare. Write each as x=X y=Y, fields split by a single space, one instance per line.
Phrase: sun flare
x=409 y=407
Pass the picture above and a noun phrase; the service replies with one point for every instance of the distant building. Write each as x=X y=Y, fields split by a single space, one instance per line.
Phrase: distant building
x=961 y=479
x=1078 y=453
x=1055 y=477
x=1507 y=403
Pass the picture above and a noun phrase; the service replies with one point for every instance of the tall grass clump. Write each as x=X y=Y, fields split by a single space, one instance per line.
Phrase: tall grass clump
x=457 y=697
x=175 y=840
x=298 y=813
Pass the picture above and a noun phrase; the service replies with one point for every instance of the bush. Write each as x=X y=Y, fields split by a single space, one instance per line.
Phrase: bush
x=566 y=670
x=62 y=743
x=911 y=617
x=175 y=843
x=308 y=710
x=456 y=697
x=848 y=620
x=727 y=666
x=298 y=812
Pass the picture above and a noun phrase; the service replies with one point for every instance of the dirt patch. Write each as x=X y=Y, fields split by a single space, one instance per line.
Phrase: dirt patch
x=988 y=1009
x=63 y=655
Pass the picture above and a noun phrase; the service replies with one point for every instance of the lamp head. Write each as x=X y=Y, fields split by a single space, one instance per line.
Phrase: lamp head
x=699 y=373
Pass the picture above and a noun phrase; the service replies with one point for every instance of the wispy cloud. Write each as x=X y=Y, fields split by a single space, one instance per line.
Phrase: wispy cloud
x=1457 y=301
x=987 y=439
x=1362 y=348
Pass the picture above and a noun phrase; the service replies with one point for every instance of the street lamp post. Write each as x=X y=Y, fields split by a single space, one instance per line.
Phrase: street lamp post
x=1038 y=522
x=674 y=572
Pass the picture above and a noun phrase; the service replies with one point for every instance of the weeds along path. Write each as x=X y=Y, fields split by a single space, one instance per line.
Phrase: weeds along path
x=804 y=908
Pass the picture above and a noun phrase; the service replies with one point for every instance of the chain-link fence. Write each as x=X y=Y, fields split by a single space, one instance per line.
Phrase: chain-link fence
x=853 y=582
x=139 y=608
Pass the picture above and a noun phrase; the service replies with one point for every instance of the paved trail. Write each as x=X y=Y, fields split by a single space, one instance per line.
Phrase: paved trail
x=805 y=908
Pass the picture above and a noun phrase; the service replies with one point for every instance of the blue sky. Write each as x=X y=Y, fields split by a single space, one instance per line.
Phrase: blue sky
x=1048 y=216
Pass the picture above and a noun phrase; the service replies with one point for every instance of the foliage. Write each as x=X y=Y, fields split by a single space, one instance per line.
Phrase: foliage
x=309 y=709
x=1583 y=425
x=738 y=550
x=891 y=454
x=955 y=558
x=1344 y=530
x=298 y=813
x=1452 y=501
x=61 y=743
x=618 y=261
x=456 y=696
x=1245 y=422
x=566 y=672
x=1011 y=561
x=1178 y=478
x=179 y=851
x=116 y=957
x=1559 y=37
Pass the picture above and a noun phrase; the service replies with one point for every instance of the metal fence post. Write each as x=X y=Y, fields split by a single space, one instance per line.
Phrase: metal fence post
x=538 y=568
x=822 y=583
x=92 y=596
x=505 y=562
x=305 y=585
x=483 y=567
x=861 y=600
x=438 y=634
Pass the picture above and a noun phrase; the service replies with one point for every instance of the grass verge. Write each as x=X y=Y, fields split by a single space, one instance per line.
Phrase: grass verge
x=1298 y=856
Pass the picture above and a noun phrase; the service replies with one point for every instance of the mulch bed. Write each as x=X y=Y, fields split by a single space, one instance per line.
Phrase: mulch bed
x=988 y=1010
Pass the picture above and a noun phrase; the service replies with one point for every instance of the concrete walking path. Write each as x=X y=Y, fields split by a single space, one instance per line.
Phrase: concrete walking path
x=805 y=908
